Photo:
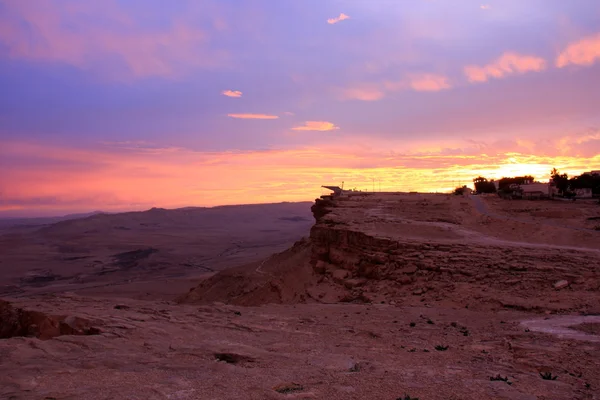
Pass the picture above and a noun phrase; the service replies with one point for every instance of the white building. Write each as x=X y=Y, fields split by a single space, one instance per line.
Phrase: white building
x=538 y=190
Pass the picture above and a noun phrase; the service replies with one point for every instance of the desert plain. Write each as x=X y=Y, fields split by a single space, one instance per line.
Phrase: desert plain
x=363 y=296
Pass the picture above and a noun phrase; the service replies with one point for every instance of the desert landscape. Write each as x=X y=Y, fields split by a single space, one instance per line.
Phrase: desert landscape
x=380 y=296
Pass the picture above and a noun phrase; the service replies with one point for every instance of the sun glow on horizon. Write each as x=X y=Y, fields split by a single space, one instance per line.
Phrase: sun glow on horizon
x=134 y=178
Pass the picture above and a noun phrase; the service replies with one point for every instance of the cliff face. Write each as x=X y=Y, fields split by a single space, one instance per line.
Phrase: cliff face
x=413 y=249
x=425 y=248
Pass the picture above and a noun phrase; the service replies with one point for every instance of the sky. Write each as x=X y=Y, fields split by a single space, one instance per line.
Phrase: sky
x=121 y=105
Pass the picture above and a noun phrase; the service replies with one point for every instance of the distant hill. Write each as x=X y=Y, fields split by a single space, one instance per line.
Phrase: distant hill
x=16 y=221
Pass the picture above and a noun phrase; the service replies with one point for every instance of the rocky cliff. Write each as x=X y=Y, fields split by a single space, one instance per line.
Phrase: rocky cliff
x=411 y=249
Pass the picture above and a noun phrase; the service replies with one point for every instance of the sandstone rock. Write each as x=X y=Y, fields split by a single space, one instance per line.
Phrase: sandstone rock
x=339 y=275
x=320 y=267
x=352 y=283
x=405 y=280
x=409 y=269
x=560 y=284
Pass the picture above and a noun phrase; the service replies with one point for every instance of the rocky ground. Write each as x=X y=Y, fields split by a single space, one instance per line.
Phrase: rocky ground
x=393 y=296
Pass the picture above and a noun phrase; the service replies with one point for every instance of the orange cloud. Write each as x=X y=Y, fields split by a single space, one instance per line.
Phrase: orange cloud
x=583 y=52
x=341 y=17
x=321 y=126
x=508 y=64
x=231 y=93
x=252 y=116
x=429 y=83
x=166 y=52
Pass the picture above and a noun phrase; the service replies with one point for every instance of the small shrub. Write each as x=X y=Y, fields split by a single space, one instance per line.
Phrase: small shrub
x=412 y=324
x=440 y=347
x=407 y=397
x=499 y=378
x=548 y=376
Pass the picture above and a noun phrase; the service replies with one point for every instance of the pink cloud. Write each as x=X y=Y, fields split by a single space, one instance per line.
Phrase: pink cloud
x=321 y=126
x=508 y=64
x=47 y=34
x=362 y=92
x=429 y=83
x=232 y=93
x=340 y=18
x=424 y=82
x=252 y=116
x=583 y=52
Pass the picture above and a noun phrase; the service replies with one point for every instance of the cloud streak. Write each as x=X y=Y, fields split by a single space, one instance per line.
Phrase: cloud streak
x=509 y=63
x=320 y=126
x=584 y=52
x=252 y=116
x=424 y=82
x=429 y=83
x=232 y=93
x=340 y=18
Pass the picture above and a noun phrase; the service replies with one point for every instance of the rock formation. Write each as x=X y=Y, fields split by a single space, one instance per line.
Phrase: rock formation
x=411 y=249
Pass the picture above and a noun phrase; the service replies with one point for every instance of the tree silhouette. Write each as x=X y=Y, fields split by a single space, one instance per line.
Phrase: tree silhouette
x=482 y=185
x=561 y=181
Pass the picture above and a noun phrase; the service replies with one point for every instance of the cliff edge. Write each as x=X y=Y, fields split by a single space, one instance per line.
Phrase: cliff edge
x=412 y=249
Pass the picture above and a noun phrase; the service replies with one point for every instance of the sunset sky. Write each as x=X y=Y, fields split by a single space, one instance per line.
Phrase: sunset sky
x=129 y=104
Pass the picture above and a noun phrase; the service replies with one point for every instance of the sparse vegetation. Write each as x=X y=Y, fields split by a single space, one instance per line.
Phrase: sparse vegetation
x=482 y=185
x=459 y=191
x=500 y=378
x=407 y=397
x=288 y=388
x=412 y=324
x=440 y=347
x=548 y=376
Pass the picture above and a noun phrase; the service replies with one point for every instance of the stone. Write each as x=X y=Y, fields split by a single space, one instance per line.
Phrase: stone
x=339 y=275
x=352 y=283
x=405 y=280
x=320 y=267
x=560 y=284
